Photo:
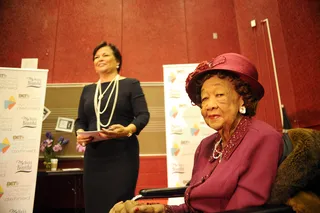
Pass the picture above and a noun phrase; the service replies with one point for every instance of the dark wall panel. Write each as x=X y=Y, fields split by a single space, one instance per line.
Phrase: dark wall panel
x=202 y=20
x=81 y=26
x=254 y=44
x=153 y=34
x=301 y=31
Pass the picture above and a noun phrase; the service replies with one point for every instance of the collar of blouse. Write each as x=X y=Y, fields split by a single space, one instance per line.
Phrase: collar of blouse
x=236 y=137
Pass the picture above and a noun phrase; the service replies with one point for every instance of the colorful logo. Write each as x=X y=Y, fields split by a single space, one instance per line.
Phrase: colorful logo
x=172 y=77
x=174 y=112
x=9 y=104
x=1 y=191
x=4 y=146
x=195 y=130
x=175 y=149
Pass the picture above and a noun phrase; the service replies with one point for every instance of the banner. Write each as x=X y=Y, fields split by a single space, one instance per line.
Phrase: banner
x=185 y=127
x=22 y=94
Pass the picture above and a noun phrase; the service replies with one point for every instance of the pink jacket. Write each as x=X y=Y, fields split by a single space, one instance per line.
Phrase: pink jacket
x=245 y=174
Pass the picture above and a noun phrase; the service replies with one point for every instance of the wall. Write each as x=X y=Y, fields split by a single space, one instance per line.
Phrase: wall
x=254 y=44
x=301 y=32
x=28 y=30
x=62 y=35
x=294 y=27
x=149 y=34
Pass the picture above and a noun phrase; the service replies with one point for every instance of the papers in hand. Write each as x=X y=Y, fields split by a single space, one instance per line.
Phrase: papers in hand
x=95 y=134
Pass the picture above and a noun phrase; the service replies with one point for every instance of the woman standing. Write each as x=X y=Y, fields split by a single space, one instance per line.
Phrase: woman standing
x=116 y=106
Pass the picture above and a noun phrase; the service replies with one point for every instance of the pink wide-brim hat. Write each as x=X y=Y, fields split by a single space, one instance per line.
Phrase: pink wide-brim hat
x=230 y=62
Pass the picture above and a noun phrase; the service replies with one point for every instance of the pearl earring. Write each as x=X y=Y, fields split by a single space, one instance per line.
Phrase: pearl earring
x=242 y=110
x=118 y=66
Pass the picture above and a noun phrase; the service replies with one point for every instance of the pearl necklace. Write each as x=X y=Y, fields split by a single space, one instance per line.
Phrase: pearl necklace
x=219 y=155
x=97 y=100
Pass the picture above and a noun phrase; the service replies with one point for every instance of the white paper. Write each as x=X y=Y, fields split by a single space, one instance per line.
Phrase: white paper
x=30 y=63
x=95 y=134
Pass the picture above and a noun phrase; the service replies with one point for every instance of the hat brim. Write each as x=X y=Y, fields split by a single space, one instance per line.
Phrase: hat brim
x=256 y=88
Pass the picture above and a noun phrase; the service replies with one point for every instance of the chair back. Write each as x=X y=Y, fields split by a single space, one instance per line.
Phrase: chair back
x=300 y=170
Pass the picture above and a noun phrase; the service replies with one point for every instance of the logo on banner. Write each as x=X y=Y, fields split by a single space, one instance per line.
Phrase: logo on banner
x=24 y=96
x=174 y=112
x=172 y=77
x=174 y=93
x=24 y=166
x=34 y=82
x=177 y=168
x=1 y=191
x=12 y=183
x=9 y=104
x=17 y=191
x=3 y=75
x=181 y=72
x=18 y=137
x=19 y=146
x=29 y=122
x=183 y=105
x=17 y=211
x=175 y=149
x=185 y=142
x=27 y=102
x=4 y=146
x=195 y=130
x=176 y=129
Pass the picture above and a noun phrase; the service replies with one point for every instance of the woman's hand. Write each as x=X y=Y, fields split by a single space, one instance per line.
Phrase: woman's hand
x=124 y=207
x=134 y=207
x=149 y=208
x=115 y=131
x=83 y=140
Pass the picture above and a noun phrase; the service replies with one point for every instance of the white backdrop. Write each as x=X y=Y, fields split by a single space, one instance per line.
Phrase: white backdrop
x=22 y=95
x=185 y=127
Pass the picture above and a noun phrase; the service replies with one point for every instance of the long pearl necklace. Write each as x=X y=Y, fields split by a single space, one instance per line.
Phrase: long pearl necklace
x=97 y=100
x=219 y=154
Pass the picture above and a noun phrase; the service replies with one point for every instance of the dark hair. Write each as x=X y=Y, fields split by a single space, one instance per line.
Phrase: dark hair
x=241 y=87
x=115 y=51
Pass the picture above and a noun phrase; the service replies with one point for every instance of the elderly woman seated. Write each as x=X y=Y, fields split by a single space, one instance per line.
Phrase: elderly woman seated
x=236 y=166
